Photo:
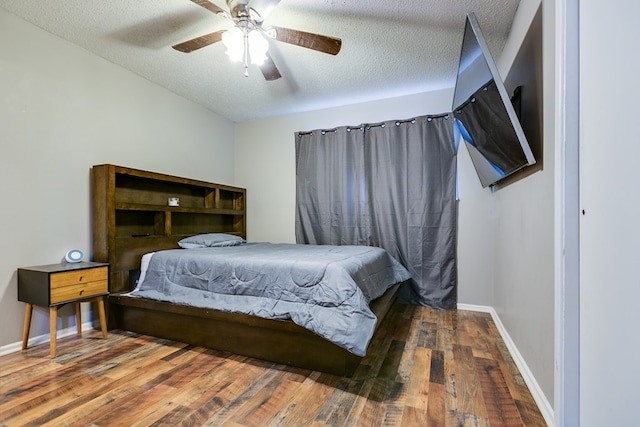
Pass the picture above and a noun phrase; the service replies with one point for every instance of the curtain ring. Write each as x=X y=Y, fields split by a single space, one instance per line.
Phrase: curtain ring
x=429 y=119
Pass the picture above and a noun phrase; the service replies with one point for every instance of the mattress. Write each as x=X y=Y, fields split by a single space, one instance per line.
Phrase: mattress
x=326 y=289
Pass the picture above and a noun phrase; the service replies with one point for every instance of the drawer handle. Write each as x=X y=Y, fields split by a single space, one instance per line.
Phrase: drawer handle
x=81 y=277
x=81 y=291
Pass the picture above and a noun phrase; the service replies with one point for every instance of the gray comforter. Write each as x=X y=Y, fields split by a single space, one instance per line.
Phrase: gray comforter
x=325 y=289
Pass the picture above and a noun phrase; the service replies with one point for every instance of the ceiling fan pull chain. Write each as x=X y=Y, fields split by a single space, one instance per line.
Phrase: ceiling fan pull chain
x=246 y=52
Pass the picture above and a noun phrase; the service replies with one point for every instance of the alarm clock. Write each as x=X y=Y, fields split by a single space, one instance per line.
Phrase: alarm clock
x=74 y=255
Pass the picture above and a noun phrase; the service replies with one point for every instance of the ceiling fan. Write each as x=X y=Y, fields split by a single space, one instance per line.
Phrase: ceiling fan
x=247 y=41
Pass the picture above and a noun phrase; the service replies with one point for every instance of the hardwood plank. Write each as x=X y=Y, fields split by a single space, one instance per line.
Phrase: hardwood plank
x=188 y=370
x=366 y=411
x=436 y=413
x=38 y=406
x=207 y=385
x=33 y=387
x=386 y=392
x=171 y=415
x=266 y=403
x=530 y=413
x=204 y=396
x=403 y=321
x=242 y=394
x=185 y=371
x=130 y=363
x=436 y=370
x=87 y=406
x=446 y=338
x=21 y=371
x=115 y=392
x=501 y=409
x=468 y=393
x=418 y=387
x=410 y=338
x=415 y=417
x=461 y=419
x=223 y=396
x=101 y=400
x=339 y=403
x=141 y=405
x=428 y=335
x=473 y=332
x=347 y=399
x=303 y=407
x=517 y=386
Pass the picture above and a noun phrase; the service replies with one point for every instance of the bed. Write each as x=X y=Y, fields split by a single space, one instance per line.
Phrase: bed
x=276 y=302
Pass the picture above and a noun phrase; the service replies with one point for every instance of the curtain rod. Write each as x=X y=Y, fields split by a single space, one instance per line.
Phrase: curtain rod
x=366 y=126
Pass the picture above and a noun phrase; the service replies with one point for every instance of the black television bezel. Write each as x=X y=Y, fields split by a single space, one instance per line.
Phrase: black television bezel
x=472 y=25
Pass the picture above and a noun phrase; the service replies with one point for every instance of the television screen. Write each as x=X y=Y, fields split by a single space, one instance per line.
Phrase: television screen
x=484 y=113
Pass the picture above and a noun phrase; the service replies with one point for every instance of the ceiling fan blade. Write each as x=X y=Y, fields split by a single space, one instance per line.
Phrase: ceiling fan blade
x=269 y=69
x=330 y=45
x=209 y=6
x=263 y=7
x=199 y=42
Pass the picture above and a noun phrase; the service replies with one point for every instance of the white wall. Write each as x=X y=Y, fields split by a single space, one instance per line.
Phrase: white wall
x=63 y=110
x=609 y=230
x=524 y=239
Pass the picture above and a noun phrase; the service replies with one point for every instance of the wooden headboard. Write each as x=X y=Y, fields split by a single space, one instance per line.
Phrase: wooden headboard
x=131 y=215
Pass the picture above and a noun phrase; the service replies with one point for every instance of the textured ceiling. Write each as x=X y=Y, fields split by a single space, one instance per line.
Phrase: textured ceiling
x=389 y=48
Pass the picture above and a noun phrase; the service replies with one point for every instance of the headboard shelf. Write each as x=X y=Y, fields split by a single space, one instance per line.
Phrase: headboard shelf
x=131 y=215
x=123 y=206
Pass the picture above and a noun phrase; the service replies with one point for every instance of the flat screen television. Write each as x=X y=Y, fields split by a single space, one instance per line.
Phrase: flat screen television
x=485 y=114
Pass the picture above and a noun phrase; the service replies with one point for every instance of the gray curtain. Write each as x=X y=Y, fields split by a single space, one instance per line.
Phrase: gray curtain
x=390 y=185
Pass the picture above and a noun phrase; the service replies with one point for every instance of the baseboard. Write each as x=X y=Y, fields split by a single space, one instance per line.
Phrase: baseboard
x=527 y=375
x=40 y=339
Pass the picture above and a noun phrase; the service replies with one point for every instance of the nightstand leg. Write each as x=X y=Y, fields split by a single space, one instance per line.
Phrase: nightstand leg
x=53 y=328
x=103 y=320
x=27 y=325
x=78 y=319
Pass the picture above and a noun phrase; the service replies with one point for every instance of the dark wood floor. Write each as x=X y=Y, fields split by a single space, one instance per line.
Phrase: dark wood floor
x=425 y=368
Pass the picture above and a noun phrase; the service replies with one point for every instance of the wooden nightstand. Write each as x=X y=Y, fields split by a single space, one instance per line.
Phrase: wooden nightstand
x=58 y=284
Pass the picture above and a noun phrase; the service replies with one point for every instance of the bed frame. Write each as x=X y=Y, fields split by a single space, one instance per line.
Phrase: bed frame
x=131 y=217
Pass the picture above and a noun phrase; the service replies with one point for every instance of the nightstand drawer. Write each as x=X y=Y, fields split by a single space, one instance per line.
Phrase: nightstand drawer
x=78 y=277
x=73 y=292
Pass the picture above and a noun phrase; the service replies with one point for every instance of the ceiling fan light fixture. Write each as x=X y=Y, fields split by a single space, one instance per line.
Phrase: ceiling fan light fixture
x=233 y=40
x=242 y=41
x=258 y=47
